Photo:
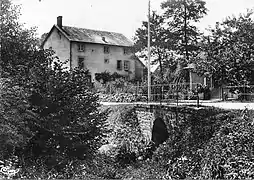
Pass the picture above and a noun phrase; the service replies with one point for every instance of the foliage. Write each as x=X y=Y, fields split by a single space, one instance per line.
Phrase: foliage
x=161 y=41
x=14 y=117
x=167 y=74
x=118 y=97
x=46 y=111
x=182 y=16
x=117 y=89
x=181 y=153
x=173 y=35
x=105 y=77
x=101 y=167
x=229 y=52
x=70 y=123
x=17 y=43
x=229 y=153
x=9 y=168
x=126 y=135
x=144 y=170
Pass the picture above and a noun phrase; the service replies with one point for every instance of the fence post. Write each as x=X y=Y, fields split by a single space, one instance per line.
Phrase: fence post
x=162 y=97
x=177 y=94
x=222 y=94
x=197 y=100
x=244 y=92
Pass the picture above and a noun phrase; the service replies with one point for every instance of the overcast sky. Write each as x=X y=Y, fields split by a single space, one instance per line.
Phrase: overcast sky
x=123 y=16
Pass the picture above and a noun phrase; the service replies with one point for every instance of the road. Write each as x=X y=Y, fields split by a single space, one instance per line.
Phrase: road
x=222 y=104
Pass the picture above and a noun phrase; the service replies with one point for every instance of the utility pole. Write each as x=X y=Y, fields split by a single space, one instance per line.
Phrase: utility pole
x=185 y=31
x=149 y=56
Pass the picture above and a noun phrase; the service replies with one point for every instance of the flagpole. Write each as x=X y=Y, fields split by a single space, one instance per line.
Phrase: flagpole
x=149 y=55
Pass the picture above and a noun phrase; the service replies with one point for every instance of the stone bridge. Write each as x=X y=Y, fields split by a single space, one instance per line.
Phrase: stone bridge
x=156 y=121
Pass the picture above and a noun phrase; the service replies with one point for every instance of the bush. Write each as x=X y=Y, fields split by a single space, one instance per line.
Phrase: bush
x=101 y=167
x=181 y=154
x=126 y=135
x=105 y=77
x=70 y=124
x=117 y=97
x=229 y=154
x=14 y=117
x=55 y=119
x=144 y=170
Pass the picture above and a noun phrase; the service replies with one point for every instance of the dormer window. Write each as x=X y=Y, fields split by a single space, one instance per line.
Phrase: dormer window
x=104 y=39
x=106 y=50
x=81 y=47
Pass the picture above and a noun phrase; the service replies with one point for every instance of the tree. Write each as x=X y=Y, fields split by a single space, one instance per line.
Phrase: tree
x=70 y=123
x=182 y=14
x=18 y=45
x=230 y=51
x=161 y=41
x=14 y=115
x=47 y=112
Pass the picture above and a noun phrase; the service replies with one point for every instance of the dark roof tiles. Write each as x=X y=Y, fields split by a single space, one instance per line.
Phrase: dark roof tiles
x=94 y=36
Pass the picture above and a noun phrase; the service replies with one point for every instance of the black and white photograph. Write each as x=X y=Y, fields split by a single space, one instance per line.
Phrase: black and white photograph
x=127 y=89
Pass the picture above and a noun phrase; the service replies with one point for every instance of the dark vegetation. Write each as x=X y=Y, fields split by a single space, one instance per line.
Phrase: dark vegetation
x=51 y=125
x=206 y=144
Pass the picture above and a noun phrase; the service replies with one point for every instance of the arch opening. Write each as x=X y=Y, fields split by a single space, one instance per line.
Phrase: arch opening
x=159 y=132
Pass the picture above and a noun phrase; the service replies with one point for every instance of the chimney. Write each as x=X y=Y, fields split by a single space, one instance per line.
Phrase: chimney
x=60 y=21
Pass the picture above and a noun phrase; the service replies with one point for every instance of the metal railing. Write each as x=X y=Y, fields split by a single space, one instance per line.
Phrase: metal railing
x=240 y=93
x=170 y=93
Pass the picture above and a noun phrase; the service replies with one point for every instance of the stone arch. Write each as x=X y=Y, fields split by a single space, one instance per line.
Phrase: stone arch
x=159 y=131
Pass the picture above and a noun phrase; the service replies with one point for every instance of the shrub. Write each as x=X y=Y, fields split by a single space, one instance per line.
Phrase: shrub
x=144 y=170
x=14 y=117
x=46 y=112
x=70 y=123
x=181 y=154
x=105 y=77
x=126 y=135
x=229 y=154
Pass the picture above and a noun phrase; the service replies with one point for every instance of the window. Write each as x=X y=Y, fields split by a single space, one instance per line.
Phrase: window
x=106 y=61
x=106 y=49
x=126 y=65
x=81 y=63
x=119 y=65
x=81 y=47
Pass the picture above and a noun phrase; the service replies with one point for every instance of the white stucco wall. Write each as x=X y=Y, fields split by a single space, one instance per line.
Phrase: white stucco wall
x=94 y=56
x=60 y=44
x=94 y=59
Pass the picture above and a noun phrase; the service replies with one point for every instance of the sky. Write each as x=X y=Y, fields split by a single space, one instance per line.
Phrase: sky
x=122 y=16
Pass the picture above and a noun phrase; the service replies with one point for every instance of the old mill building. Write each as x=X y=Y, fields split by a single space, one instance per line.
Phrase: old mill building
x=97 y=51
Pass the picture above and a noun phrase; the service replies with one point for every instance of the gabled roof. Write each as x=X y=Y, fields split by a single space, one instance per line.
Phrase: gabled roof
x=93 y=36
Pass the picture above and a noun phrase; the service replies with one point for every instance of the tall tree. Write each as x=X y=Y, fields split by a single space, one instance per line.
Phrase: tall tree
x=50 y=110
x=161 y=41
x=17 y=42
x=230 y=51
x=181 y=15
